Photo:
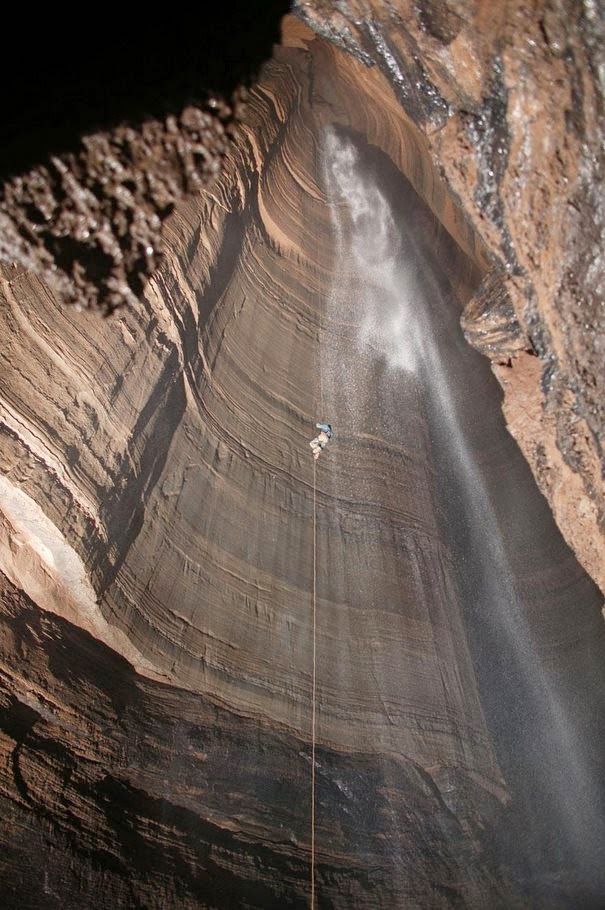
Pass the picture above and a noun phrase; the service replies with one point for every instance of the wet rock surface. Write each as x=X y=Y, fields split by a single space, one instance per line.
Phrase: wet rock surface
x=511 y=106
x=510 y=101
x=157 y=519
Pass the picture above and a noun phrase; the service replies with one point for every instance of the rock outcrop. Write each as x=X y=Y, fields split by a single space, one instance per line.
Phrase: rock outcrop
x=509 y=108
x=156 y=546
x=107 y=128
x=509 y=103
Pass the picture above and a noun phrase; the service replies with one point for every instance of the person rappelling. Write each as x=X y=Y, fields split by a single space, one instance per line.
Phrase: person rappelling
x=321 y=440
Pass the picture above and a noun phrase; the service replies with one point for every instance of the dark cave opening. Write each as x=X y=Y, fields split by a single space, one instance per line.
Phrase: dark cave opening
x=77 y=78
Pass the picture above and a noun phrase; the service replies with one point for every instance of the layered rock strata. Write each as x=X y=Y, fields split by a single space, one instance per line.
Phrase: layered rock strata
x=509 y=103
x=158 y=507
x=509 y=107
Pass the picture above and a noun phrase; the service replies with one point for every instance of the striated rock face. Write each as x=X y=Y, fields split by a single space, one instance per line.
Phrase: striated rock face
x=156 y=546
x=510 y=105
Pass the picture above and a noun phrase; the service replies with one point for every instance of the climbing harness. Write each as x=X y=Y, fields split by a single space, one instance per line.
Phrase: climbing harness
x=322 y=439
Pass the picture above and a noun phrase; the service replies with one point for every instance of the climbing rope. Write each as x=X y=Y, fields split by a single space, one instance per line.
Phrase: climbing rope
x=313 y=687
x=314 y=681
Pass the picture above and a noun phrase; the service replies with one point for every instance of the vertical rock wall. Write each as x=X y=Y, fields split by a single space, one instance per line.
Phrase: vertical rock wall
x=509 y=103
x=157 y=558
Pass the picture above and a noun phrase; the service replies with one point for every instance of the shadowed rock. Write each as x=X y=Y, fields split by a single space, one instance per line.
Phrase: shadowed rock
x=157 y=526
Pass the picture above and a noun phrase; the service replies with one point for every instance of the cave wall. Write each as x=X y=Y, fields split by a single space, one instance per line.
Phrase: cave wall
x=508 y=106
x=158 y=502
x=509 y=102
x=179 y=466
x=156 y=712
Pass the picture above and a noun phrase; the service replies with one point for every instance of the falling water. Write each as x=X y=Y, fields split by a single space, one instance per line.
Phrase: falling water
x=391 y=340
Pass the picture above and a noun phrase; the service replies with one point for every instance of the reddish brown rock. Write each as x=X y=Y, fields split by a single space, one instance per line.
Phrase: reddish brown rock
x=156 y=547
x=89 y=223
x=510 y=101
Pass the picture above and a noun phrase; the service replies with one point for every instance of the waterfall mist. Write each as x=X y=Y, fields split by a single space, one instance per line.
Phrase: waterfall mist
x=394 y=363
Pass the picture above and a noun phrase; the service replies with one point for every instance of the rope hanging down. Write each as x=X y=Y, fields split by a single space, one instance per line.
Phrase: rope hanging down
x=313 y=688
